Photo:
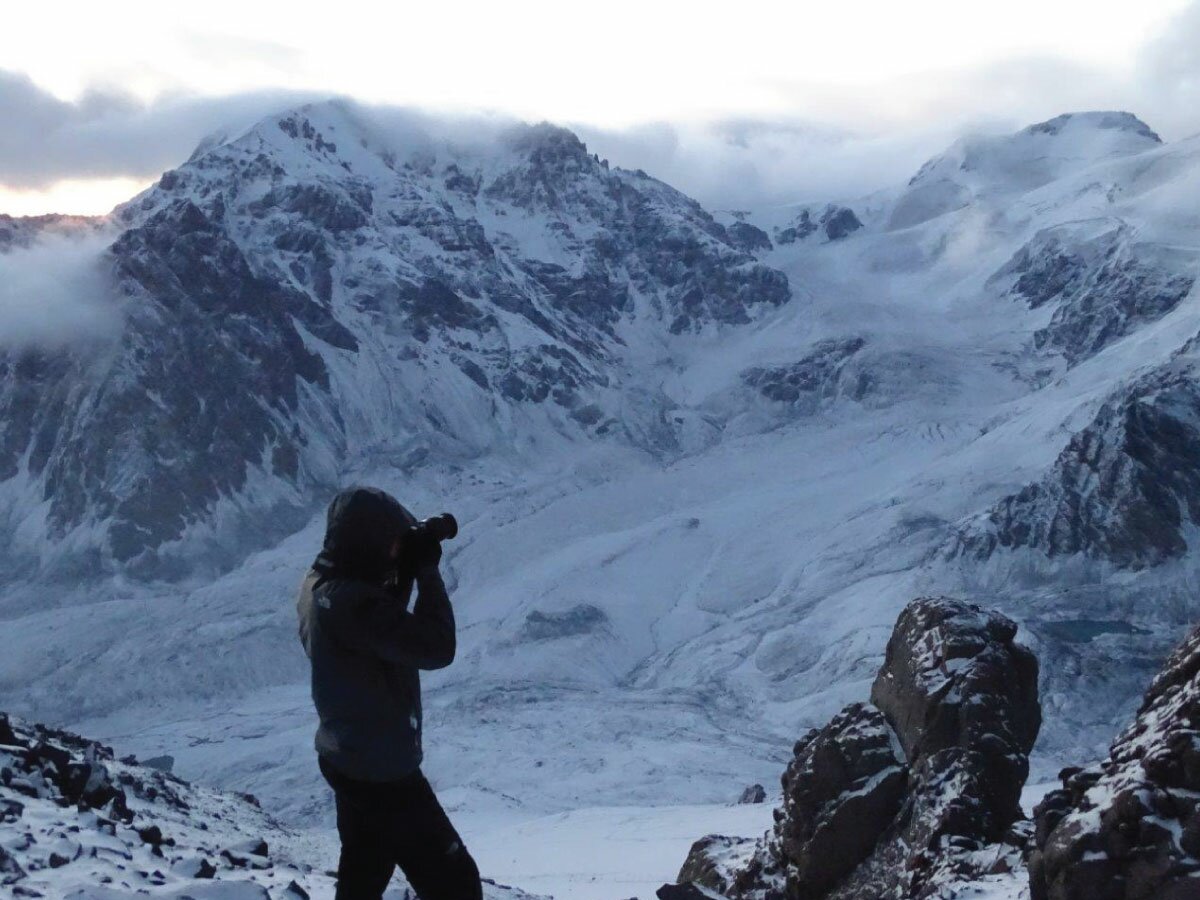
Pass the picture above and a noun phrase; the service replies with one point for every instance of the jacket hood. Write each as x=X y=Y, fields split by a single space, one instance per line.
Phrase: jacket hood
x=361 y=525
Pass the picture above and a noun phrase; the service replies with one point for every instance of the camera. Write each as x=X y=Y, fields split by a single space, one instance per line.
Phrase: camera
x=443 y=527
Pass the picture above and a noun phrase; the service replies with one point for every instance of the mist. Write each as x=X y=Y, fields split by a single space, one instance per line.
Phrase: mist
x=56 y=292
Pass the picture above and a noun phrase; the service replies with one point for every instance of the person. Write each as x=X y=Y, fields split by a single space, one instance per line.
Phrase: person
x=366 y=648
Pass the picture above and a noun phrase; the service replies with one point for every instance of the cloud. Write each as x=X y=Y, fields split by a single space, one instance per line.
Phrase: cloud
x=1168 y=71
x=56 y=292
x=745 y=163
x=833 y=141
x=108 y=134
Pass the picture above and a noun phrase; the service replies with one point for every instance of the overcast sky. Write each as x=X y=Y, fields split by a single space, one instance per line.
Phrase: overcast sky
x=777 y=99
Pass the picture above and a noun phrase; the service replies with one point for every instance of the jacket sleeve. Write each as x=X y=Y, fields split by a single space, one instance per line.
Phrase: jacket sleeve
x=380 y=625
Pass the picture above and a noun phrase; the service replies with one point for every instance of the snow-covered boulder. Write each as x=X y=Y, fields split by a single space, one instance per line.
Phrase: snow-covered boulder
x=1129 y=827
x=912 y=794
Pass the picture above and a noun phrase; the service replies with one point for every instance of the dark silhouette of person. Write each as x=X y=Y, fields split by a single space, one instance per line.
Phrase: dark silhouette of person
x=366 y=650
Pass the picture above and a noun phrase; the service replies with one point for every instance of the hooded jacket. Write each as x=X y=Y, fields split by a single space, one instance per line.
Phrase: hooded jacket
x=365 y=646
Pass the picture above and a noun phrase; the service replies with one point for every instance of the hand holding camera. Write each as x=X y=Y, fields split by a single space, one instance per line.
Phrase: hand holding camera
x=421 y=545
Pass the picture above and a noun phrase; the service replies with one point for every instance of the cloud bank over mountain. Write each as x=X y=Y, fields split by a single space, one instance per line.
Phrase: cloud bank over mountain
x=827 y=141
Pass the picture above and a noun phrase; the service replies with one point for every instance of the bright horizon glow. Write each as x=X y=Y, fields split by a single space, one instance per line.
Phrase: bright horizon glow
x=72 y=196
x=874 y=64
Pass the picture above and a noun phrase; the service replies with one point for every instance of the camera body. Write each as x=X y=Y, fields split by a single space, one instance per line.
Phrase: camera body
x=443 y=527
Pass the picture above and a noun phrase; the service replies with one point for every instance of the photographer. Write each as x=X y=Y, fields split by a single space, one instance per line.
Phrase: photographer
x=366 y=649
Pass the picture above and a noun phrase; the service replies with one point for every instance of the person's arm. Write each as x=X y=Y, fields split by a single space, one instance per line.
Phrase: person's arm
x=379 y=624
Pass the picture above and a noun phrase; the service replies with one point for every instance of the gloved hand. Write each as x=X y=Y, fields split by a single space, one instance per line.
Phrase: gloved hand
x=422 y=550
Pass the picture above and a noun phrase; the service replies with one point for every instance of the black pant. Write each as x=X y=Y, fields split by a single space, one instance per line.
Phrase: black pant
x=386 y=824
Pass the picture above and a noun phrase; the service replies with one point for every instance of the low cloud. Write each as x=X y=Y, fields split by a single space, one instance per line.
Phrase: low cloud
x=745 y=164
x=834 y=142
x=57 y=292
x=107 y=134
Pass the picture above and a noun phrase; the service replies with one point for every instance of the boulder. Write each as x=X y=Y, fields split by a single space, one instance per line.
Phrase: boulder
x=911 y=794
x=755 y=793
x=840 y=791
x=715 y=861
x=959 y=691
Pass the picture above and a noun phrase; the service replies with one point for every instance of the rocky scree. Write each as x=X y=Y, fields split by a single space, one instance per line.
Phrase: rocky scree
x=75 y=822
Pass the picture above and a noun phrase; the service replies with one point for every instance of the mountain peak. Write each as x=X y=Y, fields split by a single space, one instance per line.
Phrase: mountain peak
x=544 y=136
x=1011 y=164
x=1094 y=120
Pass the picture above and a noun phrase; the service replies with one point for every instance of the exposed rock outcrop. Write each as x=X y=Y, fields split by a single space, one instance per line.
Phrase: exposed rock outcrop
x=1102 y=282
x=833 y=222
x=1125 y=489
x=821 y=375
x=910 y=795
x=1129 y=827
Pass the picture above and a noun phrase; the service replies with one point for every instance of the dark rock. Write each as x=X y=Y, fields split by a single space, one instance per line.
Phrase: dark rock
x=544 y=626
x=153 y=836
x=755 y=793
x=839 y=222
x=840 y=791
x=295 y=890
x=746 y=237
x=956 y=698
x=10 y=810
x=7 y=735
x=835 y=222
x=819 y=376
x=248 y=854
x=712 y=862
x=1128 y=827
x=1104 y=285
x=953 y=678
x=1125 y=489
x=799 y=230
x=683 y=892
x=161 y=763
x=10 y=869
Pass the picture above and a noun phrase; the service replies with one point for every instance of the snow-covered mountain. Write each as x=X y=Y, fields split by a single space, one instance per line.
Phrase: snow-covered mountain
x=701 y=461
x=309 y=292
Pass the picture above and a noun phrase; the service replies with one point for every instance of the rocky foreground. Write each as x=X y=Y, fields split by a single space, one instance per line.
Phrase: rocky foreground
x=77 y=823
x=916 y=794
x=908 y=794
x=1129 y=826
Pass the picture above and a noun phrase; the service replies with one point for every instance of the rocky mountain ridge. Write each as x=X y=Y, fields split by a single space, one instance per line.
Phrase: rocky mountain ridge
x=307 y=290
